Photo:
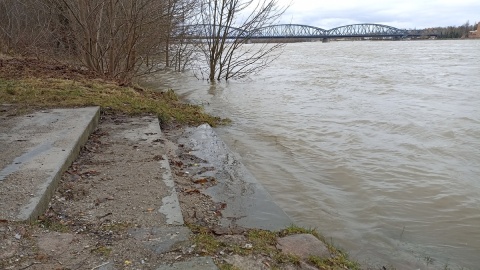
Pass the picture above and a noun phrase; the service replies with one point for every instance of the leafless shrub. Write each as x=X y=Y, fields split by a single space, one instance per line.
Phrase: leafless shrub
x=26 y=27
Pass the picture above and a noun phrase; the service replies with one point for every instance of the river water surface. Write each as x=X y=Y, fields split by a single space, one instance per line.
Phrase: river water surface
x=376 y=144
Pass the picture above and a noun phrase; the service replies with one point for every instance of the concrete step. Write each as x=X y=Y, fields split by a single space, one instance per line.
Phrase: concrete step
x=35 y=150
x=130 y=168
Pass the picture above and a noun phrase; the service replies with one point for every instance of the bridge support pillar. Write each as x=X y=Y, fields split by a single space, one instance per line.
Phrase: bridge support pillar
x=324 y=40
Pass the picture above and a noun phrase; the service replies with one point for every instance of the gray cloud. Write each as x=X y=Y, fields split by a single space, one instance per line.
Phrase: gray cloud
x=402 y=14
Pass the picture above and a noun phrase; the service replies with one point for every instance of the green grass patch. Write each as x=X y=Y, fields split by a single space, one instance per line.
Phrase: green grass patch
x=339 y=261
x=293 y=229
x=52 y=225
x=264 y=242
x=117 y=227
x=39 y=93
x=102 y=251
x=286 y=258
x=206 y=243
x=226 y=266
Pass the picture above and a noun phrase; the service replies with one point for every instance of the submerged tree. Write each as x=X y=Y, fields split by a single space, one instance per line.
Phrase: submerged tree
x=228 y=26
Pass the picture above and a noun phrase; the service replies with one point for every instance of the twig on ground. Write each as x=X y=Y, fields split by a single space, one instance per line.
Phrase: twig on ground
x=30 y=265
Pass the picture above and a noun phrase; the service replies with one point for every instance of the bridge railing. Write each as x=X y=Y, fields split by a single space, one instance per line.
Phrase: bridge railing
x=366 y=30
x=288 y=31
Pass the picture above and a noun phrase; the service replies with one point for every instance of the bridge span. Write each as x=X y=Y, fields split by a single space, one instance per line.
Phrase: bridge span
x=299 y=31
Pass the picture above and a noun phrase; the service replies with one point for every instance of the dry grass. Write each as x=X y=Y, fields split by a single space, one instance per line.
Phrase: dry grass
x=38 y=93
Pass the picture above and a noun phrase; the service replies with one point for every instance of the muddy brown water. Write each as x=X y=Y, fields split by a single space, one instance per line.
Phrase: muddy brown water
x=376 y=144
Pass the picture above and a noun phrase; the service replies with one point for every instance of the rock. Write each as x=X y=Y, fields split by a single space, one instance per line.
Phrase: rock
x=303 y=246
x=248 y=246
x=246 y=263
x=234 y=239
x=219 y=230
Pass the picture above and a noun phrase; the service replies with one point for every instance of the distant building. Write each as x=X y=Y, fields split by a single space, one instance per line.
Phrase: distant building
x=476 y=33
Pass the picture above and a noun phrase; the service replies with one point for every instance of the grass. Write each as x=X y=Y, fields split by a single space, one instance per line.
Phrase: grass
x=293 y=229
x=207 y=243
x=102 y=251
x=116 y=226
x=28 y=94
x=226 y=266
x=262 y=241
x=338 y=260
x=52 y=225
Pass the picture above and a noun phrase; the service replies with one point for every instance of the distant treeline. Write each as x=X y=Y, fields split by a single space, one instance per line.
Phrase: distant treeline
x=455 y=31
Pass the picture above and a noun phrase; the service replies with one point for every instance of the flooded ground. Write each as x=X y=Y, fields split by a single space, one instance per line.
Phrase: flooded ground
x=376 y=144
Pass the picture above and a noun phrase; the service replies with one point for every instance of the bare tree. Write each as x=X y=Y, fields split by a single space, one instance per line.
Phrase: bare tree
x=178 y=49
x=228 y=26
x=26 y=27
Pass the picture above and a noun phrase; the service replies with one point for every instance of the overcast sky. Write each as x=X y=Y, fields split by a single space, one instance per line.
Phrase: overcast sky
x=407 y=14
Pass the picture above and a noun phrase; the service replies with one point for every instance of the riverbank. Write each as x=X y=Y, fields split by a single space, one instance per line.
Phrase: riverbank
x=63 y=238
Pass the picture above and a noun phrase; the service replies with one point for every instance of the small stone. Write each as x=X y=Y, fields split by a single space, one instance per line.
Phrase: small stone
x=18 y=236
x=248 y=246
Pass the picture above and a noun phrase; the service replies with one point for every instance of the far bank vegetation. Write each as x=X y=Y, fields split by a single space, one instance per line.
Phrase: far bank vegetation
x=454 y=32
x=125 y=39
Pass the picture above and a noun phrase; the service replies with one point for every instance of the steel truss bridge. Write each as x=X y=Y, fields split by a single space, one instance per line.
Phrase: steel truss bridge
x=299 y=31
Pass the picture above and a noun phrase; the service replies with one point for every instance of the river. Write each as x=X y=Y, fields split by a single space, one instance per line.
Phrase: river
x=374 y=143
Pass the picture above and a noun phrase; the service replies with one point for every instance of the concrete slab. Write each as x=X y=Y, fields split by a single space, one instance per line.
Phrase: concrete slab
x=199 y=263
x=248 y=204
x=35 y=151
